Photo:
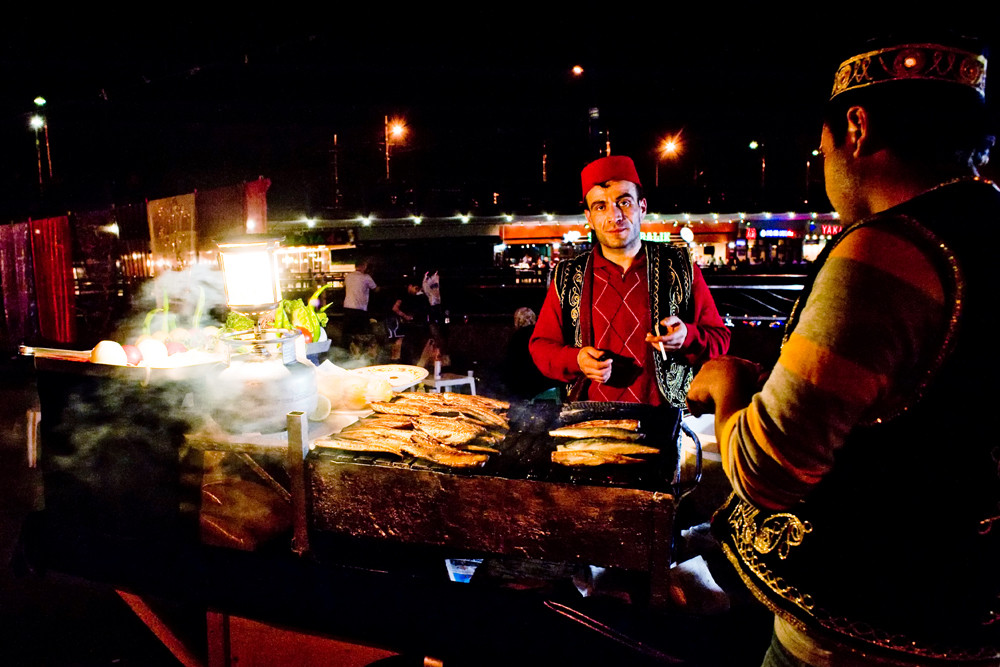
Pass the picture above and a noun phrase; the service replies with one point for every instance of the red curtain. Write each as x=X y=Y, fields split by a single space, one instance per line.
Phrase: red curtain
x=52 y=250
x=18 y=284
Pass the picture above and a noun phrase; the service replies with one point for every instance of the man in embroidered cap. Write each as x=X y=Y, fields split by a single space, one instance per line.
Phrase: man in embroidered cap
x=867 y=489
x=629 y=320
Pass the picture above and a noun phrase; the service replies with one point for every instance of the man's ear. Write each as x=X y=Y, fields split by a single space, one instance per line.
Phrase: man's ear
x=858 y=132
x=642 y=205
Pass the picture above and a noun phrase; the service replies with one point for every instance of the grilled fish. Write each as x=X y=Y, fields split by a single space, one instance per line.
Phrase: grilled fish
x=485 y=402
x=607 y=445
x=571 y=457
x=422 y=446
x=627 y=424
x=365 y=445
x=595 y=432
x=411 y=409
x=447 y=430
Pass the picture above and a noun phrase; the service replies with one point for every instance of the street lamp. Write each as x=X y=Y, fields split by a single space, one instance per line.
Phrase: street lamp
x=754 y=145
x=40 y=102
x=36 y=122
x=815 y=153
x=396 y=129
x=668 y=149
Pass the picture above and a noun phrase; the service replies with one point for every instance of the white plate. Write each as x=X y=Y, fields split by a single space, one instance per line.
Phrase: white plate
x=400 y=376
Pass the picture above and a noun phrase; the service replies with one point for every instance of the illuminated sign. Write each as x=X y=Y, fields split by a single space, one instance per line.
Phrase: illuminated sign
x=663 y=237
x=830 y=230
x=777 y=233
x=751 y=233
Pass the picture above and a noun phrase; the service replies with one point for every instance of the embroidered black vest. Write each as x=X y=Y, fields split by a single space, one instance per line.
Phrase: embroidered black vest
x=670 y=272
x=897 y=549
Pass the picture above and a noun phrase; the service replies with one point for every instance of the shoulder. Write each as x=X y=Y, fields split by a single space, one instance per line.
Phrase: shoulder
x=893 y=247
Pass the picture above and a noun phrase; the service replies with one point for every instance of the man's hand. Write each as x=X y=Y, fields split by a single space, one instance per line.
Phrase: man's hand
x=591 y=365
x=673 y=333
x=723 y=386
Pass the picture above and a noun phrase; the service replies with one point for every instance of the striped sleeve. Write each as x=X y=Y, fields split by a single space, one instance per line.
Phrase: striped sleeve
x=871 y=323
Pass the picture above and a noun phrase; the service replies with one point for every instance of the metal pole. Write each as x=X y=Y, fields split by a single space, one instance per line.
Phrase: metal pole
x=48 y=149
x=38 y=151
x=387 y=148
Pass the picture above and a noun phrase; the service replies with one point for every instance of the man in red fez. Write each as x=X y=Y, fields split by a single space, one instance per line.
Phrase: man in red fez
x=630 y=320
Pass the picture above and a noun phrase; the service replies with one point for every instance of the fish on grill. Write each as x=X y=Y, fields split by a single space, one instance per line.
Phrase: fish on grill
x=449 y=431
x=595 y=432
x=409 y=408
x=583 y=457
x=608 y=445
x=474 y=400
x=483 y=416
x=627 y=424
x=424 y=447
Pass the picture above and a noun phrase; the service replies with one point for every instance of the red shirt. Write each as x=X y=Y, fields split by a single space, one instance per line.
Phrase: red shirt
x=620 y=319
x=707 y=336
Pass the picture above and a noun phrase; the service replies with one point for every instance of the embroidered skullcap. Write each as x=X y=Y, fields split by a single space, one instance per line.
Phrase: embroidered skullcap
x=918 y=61
x=610 y=168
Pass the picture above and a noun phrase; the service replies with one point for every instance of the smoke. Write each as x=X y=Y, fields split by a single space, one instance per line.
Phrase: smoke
x=194 y=297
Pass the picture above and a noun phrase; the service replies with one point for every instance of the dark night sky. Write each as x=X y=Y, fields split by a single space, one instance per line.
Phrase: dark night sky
x=149 y=108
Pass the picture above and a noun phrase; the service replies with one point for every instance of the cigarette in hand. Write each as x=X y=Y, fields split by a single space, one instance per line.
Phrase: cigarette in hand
x=663 y=352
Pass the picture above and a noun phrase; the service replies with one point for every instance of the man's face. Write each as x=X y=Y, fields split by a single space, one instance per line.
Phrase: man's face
x=841 y=178
x=615 y=214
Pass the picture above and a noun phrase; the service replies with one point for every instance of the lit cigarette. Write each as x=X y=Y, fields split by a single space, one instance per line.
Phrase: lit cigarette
x=663 y=352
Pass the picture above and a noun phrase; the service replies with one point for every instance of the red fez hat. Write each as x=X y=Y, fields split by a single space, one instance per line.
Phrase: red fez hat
x=611 y=168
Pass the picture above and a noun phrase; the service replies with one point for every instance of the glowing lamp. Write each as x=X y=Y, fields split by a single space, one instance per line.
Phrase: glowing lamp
x=250 y=272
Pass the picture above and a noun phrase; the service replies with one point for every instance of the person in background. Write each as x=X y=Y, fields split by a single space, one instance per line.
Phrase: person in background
x=358 y=286
x=520 y=375
x=437 y=319
x=864 y=515
x=630 y=320
x=412 y=310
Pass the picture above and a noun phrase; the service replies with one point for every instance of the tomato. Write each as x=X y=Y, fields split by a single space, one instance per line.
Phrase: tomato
x=305 y=332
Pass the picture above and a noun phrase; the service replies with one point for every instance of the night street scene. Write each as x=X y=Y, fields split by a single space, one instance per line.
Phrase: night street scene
x=314 y=350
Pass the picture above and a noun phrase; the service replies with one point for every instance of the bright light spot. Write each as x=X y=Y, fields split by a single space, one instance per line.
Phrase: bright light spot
x=791 y=216
x=110 y=229
x=366 y=221
x=416 y=219
x=577 y=70
x=509 y=218
x=571 y=236
x=548 y=216
x=687 y=216
x=754 y=145
x=836 y=216
x=251 y=224
x=687 y=234
x=40 y=101
x=397 y=128
x=910 y=62
x=310 y=222
x=36 y=122
x=671 y=146
x=732 y=244
x=464 y=218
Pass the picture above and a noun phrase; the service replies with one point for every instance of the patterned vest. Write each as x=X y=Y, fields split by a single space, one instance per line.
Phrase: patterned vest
x=896 y=550
x=669 y=272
